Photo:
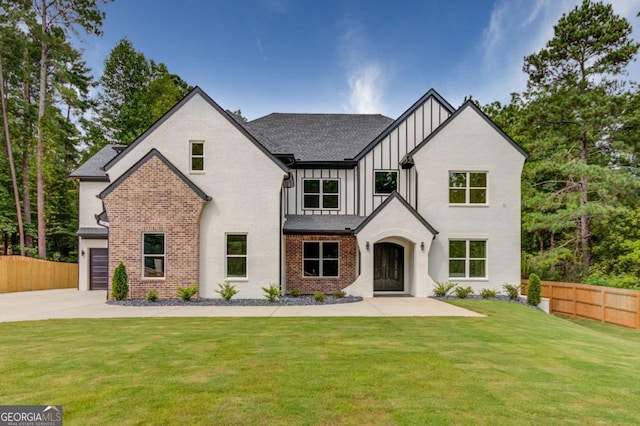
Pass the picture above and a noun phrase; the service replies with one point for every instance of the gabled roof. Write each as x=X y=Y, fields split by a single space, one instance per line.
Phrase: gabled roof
x=430 y=94
x=318 y=224
x=196 y=91
x=318 y=137
x=468 y=104
x=154 y=153
x=395 y=196
x=92 y=169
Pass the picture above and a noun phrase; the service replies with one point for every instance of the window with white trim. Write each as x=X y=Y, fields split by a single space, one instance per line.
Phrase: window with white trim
x=385 y=181
x=236 y=256
x=153 y=255
x=321 y=194
x=321 y=259
x=467 y=259
x=197 y=156
x=467 y=187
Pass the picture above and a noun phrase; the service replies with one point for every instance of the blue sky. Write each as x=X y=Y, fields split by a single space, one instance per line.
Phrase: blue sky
x=354 y=56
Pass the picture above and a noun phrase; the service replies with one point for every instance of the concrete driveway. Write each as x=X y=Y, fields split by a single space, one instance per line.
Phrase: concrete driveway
x=71 y=303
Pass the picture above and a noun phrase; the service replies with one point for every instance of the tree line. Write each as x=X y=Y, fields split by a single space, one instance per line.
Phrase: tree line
x=51 y=123
x=579 y=118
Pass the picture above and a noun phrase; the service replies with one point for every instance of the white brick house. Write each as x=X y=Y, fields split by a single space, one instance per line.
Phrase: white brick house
x=318 y=202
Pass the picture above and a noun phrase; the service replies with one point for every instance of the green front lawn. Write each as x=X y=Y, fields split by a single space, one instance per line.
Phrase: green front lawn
x=517 y=366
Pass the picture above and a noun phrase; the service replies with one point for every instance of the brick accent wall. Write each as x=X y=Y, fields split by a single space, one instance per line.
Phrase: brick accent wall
x=309 y=285
x=154 y=199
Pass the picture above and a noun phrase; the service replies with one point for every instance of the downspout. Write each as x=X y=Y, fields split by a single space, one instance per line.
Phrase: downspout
x=281 y=257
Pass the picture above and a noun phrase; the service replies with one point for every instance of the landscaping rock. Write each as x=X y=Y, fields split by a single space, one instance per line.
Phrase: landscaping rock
x=285 y=301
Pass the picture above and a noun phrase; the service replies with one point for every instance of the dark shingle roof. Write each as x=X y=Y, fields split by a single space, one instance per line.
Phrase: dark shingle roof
x=89 y=233
x=92 y=168
x=318 y=137
x=335 y=224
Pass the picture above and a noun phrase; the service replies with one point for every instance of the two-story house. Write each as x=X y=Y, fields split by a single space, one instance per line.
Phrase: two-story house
x=317 y=202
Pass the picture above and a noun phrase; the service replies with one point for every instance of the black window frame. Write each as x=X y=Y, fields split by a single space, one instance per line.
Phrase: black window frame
x=146 y=271
x=321 y=195
x=375 y=182
x=193 y=156
x=322 y=260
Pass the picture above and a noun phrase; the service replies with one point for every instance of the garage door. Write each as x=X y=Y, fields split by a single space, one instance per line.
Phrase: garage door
x=98 y=268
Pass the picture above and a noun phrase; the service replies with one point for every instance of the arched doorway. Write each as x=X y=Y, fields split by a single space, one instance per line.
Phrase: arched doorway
x=388 y=267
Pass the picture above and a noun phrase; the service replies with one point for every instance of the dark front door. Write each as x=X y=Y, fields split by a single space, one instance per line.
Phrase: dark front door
x=388 y=267
x=98 y=268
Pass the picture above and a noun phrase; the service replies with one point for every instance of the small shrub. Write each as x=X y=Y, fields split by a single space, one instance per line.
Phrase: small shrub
x=186 y=293
x=488 y=293
x=339 y=294
x=295 y=292
x=319 y=296
x=272 y=293
x=464 y=292
x=227 y=291
x=152 y=296
x=534 y=290
x=513 y=291
x=119 y=284
x=443 y=289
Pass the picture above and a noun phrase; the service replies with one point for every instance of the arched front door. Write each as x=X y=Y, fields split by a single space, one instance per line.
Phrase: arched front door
x=388 y=267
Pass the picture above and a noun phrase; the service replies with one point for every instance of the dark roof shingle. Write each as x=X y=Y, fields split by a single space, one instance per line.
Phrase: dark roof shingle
x=337 y=224
x=318 y=137
x=92 y=168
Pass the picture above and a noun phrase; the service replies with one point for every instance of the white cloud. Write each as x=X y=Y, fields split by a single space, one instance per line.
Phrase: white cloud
x=365 y=92
x=364 y=74
x=263 y=54
x=518 y=28
x=537 y=8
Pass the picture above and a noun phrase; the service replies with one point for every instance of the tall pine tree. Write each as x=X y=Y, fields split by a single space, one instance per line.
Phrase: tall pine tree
x=576 y=99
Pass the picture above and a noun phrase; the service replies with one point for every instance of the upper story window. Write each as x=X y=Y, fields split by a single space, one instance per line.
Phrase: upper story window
x=321 y=193
x=197 y=156
x=467 y=187
x=153 y=250
x=385 y=181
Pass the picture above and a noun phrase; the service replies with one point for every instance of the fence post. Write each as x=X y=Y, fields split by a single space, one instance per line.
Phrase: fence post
x=575 y=301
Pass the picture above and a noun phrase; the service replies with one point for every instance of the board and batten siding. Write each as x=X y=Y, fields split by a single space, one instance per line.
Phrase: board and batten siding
x=347 y=184
x=387 y=153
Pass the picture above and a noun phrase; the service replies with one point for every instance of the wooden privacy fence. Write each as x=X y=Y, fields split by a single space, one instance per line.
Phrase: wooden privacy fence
x=613 y=305
x=19 y=273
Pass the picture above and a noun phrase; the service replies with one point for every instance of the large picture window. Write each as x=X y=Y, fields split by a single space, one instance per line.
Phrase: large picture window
x=386 y=181
x=321 y=259
x=467 y=259
x=467 y=187
x=197 y=156
x=153 y=255
x=321 y=193
x=236 y=256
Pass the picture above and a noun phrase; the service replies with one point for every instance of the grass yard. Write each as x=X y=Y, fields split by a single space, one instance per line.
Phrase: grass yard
x=517 y=366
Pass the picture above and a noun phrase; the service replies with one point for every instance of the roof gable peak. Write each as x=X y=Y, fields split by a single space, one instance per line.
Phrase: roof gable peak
x=395 y=196
x=431 y=93
x=408 y=159
x=195 y=91
x=151 y=154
